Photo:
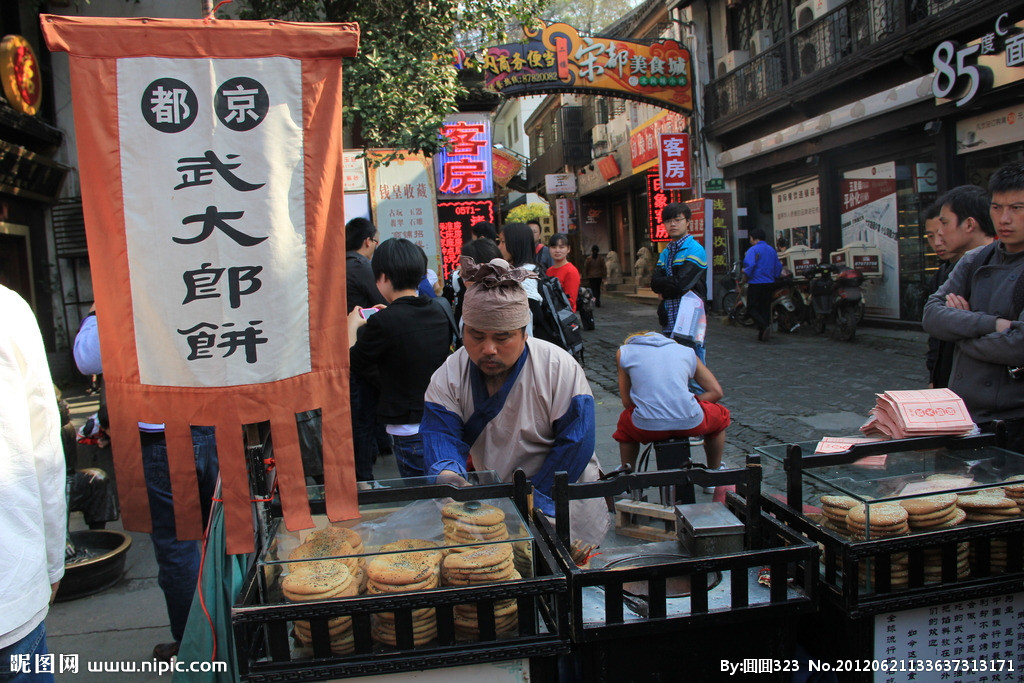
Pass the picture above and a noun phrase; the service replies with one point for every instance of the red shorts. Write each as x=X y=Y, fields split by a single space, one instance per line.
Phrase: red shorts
x=716 y=419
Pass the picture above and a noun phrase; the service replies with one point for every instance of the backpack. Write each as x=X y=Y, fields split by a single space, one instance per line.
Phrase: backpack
x=453 y=326
x=558 y=323
x=585 y=307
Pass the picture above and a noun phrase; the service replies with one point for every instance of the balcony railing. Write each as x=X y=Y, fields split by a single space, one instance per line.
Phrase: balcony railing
x=844 y=32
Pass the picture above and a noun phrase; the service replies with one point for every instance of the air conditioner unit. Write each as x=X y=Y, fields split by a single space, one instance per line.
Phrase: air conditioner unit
x=730 y=61
x=760 y=40
x=809 y=11
x=599 y=134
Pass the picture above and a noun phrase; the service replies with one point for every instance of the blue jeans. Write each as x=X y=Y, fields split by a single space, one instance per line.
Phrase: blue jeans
x=33 y=644
x=177 y=561
x=409 y=455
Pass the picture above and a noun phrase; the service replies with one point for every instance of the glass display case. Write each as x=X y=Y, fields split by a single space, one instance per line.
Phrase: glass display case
x=906 y=519
x=426 y=568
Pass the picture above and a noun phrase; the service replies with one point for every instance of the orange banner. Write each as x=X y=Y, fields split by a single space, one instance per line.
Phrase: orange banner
x=210 y=158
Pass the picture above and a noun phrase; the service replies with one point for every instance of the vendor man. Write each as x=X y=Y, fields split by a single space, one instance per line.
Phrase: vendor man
x=511 y=402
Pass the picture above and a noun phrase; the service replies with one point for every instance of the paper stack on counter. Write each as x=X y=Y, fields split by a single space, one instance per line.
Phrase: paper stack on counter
x=922 y=412
x=838 y=444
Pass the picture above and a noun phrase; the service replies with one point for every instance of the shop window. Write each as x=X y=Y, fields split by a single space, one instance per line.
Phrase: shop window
x=882 y=206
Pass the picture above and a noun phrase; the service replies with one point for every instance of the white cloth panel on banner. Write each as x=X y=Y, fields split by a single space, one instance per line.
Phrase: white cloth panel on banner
x=215 y=218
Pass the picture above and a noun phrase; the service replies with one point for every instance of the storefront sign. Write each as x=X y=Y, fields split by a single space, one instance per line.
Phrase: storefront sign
x=608 y=167
x=21 y=75
x=697 y=216
x=208 y=315
x=796 y=213
x=355 y=172
x=701 y=211
x=504 y=166
x=869 y=215
x=993 y=129
x=714 y=185
x=559 y=183
x=403 y=203
x=992 y=61
x=463 y=166
x=658 y=199
x=643 y=140
x=565 y=215
x=674 y=160
x=30 y=175
x=455 y=221
x=556 y=58
x=721 y=219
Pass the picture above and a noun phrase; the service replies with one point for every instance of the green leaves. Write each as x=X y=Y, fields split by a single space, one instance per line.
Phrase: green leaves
x=396 y=92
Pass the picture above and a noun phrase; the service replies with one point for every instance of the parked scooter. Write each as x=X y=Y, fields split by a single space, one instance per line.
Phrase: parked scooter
x=734 y=301
x=836 y=300
x=787 y=306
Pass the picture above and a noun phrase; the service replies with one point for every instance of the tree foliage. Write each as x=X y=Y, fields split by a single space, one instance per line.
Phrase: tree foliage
x=528 y=212
x=397 y=92
x=587 y=16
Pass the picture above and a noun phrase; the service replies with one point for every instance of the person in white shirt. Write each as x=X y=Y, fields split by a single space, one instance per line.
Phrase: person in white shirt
x=33 y=517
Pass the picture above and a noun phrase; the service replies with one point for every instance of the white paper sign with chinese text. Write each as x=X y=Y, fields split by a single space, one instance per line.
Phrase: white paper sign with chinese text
x=405 y=206
x=215 y=219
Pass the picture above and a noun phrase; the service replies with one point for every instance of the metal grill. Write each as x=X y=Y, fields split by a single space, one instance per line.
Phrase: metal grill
x=69 y=229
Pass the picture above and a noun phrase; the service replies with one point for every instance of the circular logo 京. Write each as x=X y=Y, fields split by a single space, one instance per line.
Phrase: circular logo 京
x=241 y=103
x=169 y=105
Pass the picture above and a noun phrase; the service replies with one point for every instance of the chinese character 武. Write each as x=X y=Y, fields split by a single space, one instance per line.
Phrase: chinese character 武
x=197 y=171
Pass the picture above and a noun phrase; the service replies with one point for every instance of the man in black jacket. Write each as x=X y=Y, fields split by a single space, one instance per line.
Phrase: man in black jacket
x=361 y=292
x=403 y=345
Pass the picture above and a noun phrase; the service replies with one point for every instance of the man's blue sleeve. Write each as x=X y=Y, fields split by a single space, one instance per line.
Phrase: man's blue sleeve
x=575 y=436
x=443 y=445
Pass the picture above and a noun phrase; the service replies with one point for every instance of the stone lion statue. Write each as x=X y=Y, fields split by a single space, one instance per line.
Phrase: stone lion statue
x=611 y=262
x=644 y=267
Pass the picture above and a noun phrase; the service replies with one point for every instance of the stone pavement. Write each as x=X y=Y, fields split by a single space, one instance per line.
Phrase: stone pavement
x=795 y=387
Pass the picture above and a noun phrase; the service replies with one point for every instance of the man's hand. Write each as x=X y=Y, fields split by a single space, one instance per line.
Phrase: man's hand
x=1002 y=324
x=957 y=301
x=450 y=477
x=53 y=591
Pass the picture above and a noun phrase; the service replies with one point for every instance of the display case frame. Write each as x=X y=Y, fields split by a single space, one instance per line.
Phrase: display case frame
x=261 y=630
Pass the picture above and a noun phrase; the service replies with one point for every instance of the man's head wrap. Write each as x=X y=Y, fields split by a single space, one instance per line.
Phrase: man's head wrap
x=495 y=299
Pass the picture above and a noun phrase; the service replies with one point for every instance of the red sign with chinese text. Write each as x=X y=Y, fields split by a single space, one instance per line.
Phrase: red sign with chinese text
x=674 y=161
x=643 y=143
x=697 y=217
x=658 y=199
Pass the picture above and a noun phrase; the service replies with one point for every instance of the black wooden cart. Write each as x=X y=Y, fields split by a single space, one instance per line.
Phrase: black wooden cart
x=616 y=639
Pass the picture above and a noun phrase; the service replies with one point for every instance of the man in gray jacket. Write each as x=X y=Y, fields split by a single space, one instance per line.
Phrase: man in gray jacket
x=980 y=309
